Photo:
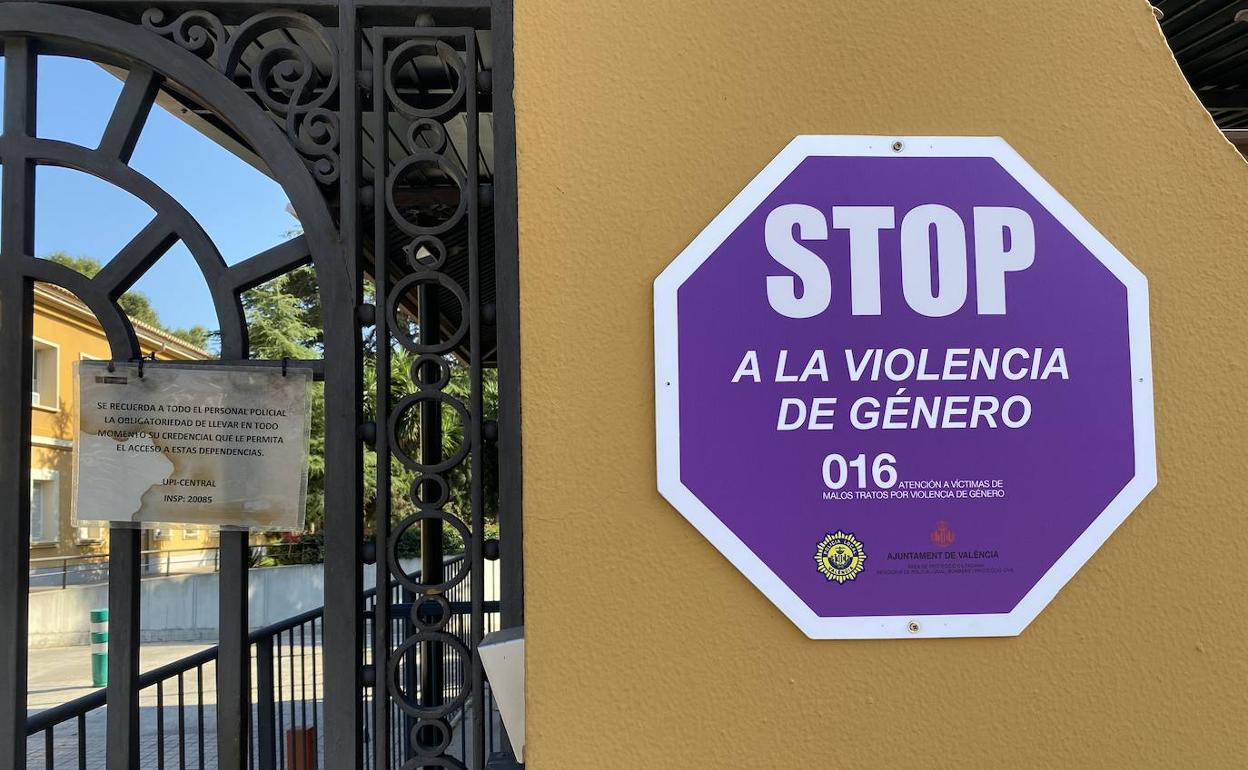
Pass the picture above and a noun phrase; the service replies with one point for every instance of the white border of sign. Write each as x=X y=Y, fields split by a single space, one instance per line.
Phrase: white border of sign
x=667 y=390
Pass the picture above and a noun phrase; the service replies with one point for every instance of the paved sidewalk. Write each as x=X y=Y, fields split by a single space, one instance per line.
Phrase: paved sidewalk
x=169 y=735
x=185 y=737
x=60 y=674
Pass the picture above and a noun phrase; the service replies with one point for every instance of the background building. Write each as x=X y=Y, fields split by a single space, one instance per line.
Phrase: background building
x=65 y=332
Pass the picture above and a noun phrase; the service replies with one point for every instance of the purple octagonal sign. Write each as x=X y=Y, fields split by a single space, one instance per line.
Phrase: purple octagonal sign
x=903 y=386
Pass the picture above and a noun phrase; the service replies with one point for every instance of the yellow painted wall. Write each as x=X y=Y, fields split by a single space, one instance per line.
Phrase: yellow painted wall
x=637 y=122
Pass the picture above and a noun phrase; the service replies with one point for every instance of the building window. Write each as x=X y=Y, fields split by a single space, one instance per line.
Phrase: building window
x=91 y=534
x=190 y=532
x=44 y=369
x=45 y=507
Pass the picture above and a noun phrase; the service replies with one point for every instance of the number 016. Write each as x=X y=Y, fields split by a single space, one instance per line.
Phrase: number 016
x=836 y=471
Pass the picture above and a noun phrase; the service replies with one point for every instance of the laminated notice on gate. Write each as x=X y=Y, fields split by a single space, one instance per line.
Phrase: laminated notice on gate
x=196 y=444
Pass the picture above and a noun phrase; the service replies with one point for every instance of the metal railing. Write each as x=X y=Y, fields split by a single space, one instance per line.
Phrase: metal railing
x=89 y=569
x=178 y=706
x=456 y=672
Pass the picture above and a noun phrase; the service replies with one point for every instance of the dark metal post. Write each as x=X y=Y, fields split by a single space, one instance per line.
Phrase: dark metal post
x=382 y=743
x=343 y=453
x=265 y=730
x=431 y=540
x=507 y=301
x=16 y=311
x=473 y=431
x=124 y=576
x=234 y=656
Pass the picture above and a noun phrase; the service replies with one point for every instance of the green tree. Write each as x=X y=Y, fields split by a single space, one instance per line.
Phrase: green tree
x=402 y=478
x=284 y=321
x=197 y=335
x=278 y=323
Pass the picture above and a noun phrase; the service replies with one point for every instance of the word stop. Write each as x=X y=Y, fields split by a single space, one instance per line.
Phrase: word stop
x=1005 y=242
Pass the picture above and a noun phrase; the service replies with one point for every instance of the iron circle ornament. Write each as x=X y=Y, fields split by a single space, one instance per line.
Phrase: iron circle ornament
x=400 y=574
x=425 y=362
x=433 y=479
x=448 y=167
x=404 y=698
x=421 y=612
x=443 y=761
x=406 y=285
x=423 y=728
x=409 y=51
x=419 y=129
x=409 y=403
x=435 y=253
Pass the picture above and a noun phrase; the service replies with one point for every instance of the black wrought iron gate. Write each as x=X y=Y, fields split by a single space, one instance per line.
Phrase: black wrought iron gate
x=389 y=125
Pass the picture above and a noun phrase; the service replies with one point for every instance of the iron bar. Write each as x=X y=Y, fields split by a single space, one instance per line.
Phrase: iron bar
x=381 y=513
x=270 y=263
x=124 y=574
x=82 y=742
x=315 y=701
x=181 y=722
x=476 y=411
x=431 y=540
x=264 y=705
x=344 y=413
x=507 y=303
x=199 y=687
x=234 y=656
x=303 y=688
x=130 y=113
x=289 y=655
x=16 y=310
x=277 y=701
x=160 y=726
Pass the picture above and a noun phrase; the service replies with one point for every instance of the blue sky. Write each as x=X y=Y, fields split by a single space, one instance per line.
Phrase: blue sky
x=242 y=210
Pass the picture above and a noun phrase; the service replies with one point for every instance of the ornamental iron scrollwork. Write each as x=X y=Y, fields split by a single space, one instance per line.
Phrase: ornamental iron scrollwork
x=282 y=76
x=305 y=101
x=148 y=66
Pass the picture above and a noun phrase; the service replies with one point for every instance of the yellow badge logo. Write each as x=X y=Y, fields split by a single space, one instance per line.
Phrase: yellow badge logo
x=840 y=556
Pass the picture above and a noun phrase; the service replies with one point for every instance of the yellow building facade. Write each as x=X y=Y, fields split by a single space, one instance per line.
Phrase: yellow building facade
x=65 y=332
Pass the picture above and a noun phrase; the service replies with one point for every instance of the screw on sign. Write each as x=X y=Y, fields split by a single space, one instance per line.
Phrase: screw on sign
x=904 y=386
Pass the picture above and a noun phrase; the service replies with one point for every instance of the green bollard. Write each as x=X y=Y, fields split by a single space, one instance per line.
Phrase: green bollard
x=99 y=648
